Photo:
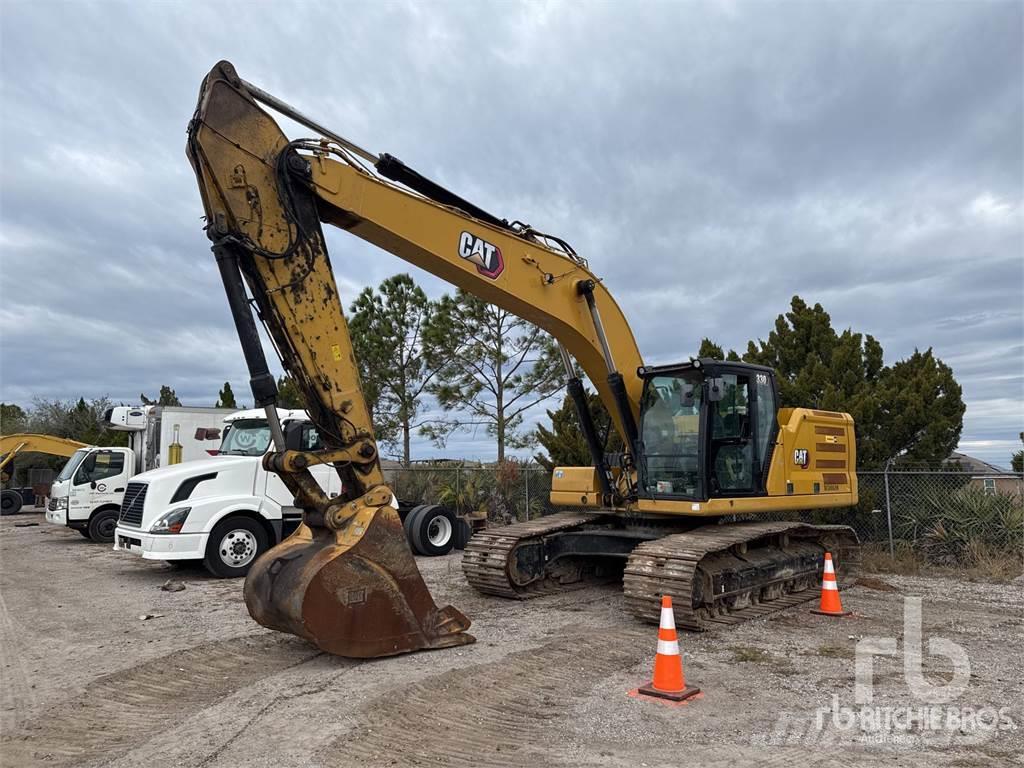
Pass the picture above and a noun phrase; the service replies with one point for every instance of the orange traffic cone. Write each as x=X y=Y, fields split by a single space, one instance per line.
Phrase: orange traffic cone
x=668 y=682
x=830 y=604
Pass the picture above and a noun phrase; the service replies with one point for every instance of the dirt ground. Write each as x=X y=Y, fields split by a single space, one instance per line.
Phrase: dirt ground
x=86 y=682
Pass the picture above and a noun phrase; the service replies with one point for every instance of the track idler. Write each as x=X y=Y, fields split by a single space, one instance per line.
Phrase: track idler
x=351 y=587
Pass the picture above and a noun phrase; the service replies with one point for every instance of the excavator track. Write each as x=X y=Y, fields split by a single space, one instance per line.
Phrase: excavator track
x=487 y=559
x=716 y=574
x=726 y=574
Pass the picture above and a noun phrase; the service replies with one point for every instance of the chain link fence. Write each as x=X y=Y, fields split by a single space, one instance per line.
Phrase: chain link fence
x=949 y=518
x=507 y=493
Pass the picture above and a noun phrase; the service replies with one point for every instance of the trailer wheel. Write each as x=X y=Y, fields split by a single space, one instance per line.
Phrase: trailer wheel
x=10 y=502
x=102 y=525
x=433 y=530
x=233 y=547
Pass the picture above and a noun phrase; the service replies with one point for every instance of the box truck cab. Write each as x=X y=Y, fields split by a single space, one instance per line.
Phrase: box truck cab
x=86 y=496
x=223 y=511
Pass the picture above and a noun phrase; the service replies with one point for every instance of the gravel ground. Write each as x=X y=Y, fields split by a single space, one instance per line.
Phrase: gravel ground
x=86 y=682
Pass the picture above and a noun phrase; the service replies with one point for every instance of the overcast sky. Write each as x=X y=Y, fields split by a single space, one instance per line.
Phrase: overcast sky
x=709 y=159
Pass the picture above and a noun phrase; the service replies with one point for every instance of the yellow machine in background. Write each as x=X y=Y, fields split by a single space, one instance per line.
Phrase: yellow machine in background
x=12 y=445
x=704 y=440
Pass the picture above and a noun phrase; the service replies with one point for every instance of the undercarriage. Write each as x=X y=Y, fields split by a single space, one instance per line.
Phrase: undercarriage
x=717 y=573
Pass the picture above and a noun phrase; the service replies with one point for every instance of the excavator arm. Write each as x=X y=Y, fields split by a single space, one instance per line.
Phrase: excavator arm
x=13 y=445
x=265 y=198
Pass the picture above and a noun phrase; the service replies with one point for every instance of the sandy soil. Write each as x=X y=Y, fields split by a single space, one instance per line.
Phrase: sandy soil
x=86 y=682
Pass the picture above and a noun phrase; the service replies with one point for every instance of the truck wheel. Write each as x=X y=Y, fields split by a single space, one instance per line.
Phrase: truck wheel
x=10 y=502
x=84 y=532
x=233 y=547
x=433 y=530
x=407 y=527
x=102 y=525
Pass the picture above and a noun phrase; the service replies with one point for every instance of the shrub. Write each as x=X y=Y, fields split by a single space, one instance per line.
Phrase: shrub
x=952 y=528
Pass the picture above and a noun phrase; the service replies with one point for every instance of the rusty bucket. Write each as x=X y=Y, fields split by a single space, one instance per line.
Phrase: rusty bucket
x=354 y=591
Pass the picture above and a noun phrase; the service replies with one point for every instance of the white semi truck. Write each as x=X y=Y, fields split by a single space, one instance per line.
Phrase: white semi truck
x=87 y=494
x=225 y=511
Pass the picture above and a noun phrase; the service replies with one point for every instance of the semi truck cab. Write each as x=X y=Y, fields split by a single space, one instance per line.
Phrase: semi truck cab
x=223 y=511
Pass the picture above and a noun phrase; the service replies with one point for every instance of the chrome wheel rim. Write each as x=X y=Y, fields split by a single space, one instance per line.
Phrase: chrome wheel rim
x=238 y=548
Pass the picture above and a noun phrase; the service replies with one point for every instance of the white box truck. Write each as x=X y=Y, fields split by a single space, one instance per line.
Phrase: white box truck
x=227 y=510
x=87 y=494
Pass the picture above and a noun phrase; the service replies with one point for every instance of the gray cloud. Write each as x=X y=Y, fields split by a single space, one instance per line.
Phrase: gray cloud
x=710 y=160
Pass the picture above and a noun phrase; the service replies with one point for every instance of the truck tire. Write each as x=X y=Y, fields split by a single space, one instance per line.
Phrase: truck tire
x=407 y=527
x=102 y=525
x=10 y=502
x=433 y=530
x=84 y=532
x=234 y=545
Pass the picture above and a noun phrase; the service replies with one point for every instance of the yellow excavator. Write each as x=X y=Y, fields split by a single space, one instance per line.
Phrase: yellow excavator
x=11 y=446
x=705 y=441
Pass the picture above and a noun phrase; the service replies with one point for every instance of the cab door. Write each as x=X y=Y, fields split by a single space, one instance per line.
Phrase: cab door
x=731 y=455
x=100 y=479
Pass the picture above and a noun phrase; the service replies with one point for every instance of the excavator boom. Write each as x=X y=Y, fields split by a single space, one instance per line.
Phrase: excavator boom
x=12 y=445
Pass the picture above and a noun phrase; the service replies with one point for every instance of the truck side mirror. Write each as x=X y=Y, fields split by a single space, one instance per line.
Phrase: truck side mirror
x=716 y=389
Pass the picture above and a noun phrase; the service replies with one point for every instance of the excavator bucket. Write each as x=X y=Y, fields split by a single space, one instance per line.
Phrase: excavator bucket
x=354 y=592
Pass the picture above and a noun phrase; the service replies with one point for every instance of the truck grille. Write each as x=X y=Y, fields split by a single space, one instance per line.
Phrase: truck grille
x=131 y=506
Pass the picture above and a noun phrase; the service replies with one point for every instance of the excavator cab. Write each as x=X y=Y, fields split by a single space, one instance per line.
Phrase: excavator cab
x=706 y=430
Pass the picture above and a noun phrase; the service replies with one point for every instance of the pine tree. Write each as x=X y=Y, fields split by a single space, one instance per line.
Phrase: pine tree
x=503 y=367
x=226 y=397
x=288 y=395
x=564 y=443
x=912 y=411
x=708 y=348
x=401 y=344
x=167 y=397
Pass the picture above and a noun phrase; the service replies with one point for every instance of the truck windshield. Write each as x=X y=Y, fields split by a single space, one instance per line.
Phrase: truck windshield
x=72 y=464
x=247 y=437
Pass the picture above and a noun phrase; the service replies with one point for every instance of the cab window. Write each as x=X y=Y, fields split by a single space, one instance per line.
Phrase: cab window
x=732 y=456
x=765 y=417
x=100 y=466
x=670 y=432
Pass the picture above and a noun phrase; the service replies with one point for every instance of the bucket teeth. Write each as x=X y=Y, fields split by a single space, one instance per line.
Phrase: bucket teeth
x=353 y=592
